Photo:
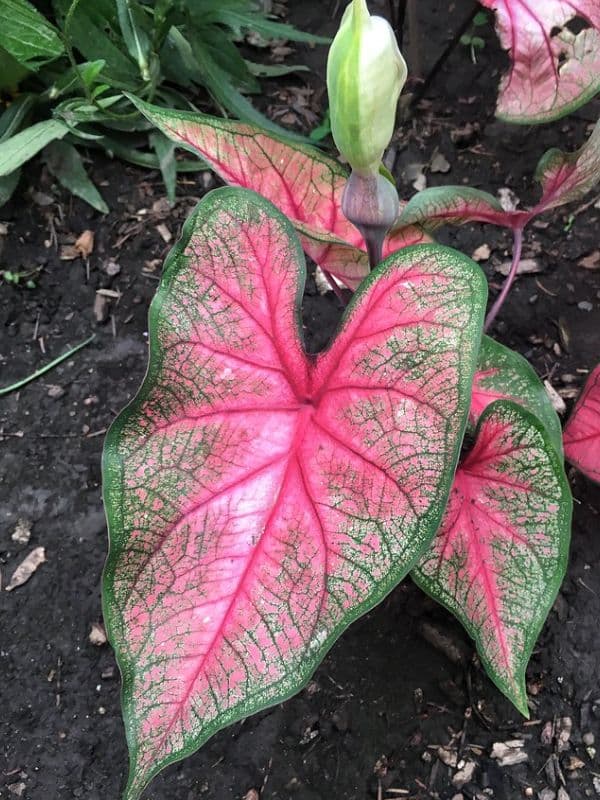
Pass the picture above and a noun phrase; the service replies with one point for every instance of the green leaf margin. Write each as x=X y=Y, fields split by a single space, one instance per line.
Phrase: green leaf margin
x=530 y=392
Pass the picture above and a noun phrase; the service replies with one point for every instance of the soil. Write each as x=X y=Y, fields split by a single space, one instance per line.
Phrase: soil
x=370 y=722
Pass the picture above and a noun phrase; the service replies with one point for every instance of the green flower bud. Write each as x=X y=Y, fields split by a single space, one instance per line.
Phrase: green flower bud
x=365 y=75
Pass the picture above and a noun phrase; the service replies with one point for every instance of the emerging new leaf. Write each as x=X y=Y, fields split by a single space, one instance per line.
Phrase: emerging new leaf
x=582 y=431
x=564 y=178
x=553 y=70
x=501 y=552
x=300 y=181
x=503 y=374
x=260 y=499
x=455 y=205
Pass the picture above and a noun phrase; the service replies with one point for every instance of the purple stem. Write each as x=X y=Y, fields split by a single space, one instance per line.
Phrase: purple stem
x=374 y=242
x=335 y=288
x=514 y=267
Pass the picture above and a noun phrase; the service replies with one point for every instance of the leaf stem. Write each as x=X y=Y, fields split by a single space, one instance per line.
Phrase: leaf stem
x=334 y=287
x=514 y=267
x=14 y=386
x=374 y=243
x=65 y=34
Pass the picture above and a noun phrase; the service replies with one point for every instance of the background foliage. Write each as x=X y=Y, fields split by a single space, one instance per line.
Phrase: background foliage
x=65 y=65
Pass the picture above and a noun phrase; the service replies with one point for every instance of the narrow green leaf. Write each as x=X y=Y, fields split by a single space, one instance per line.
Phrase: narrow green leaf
x=165 y=152
x=8 y=184
x=217 y=44
x=202 y=69
x=322 y=130
x=65 y=163
x=24 y=145
x=217 y=83
x=274 y=70
x=140 y=158
x=240 y=20
x=64 y=82
x=89 y=37
x=11 y=72
x=14 y=115
x=27 y=35
x=136 y=39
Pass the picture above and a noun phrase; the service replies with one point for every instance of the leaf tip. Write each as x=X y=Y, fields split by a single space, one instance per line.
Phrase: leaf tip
x=518 y=698
x=136 y=782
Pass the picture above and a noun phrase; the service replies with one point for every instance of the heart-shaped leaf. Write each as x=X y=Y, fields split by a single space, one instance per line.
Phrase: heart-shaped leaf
x=582 y=431
x=501 y=552
x=260 y=499
x=299 y=180
x=502 y=374
x=564 y=177
x=553 y=70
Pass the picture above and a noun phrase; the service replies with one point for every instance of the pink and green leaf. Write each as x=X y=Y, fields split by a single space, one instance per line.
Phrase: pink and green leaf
x=455 y=205
x=260 y=499
x=566 y=177
x=553 y=71
x=503 y=374
x=347 y=263
x=301 y=181
x=582 y=431
x=501 y=552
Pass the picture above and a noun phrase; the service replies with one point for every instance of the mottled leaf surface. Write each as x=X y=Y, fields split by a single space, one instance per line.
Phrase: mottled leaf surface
x=553 y=70
x=501 y=552
x=582 y=431
x=299 y=180
x=260 y=499
x=503 y=374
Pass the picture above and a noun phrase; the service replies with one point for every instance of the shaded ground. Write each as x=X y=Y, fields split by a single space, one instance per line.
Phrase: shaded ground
x=370 y=722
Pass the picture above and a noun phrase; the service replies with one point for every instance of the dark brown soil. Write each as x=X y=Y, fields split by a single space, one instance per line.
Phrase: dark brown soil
x=370 y=722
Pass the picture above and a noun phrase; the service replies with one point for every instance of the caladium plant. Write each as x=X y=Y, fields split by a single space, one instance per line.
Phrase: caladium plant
x=554 y=68
x=582 y=432
x=260 y=499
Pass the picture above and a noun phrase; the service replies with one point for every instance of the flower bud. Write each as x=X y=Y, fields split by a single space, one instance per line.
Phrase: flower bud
x=365 y=75
x=371 y=203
